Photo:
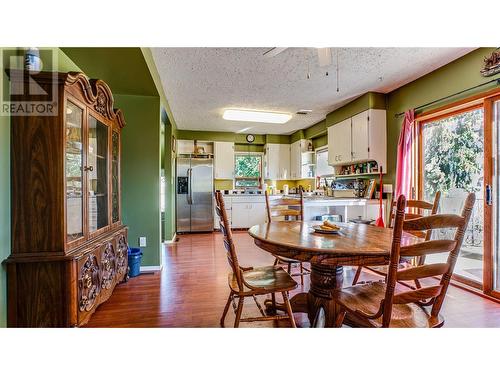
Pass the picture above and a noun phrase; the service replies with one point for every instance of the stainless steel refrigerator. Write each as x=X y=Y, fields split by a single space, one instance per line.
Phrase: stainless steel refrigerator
x=194 y=191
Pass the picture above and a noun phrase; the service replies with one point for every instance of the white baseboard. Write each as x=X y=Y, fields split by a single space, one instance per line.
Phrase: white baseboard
x=151 y=268
x=172 y=240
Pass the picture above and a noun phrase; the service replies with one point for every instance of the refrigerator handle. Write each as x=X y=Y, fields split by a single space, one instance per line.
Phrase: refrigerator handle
x=190 y=185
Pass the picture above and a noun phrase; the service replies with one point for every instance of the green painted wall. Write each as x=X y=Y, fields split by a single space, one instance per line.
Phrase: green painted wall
x=62 y=63
x=124 y=69
x=369 y=100
x=141 y=172
x=454 y=77
x=277 y=138
x=297 y=136
x=169 y=228
x=248 y=148
x=223 y=184
x=320 y=141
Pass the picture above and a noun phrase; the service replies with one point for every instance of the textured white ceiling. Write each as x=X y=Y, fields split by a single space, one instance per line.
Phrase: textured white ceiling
x=201 y=82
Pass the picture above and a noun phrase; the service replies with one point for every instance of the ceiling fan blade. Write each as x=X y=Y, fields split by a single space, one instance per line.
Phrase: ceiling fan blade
x=274 y=51
x=324 y=56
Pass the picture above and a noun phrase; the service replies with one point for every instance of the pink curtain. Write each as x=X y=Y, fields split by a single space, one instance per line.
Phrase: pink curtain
x=404 y=162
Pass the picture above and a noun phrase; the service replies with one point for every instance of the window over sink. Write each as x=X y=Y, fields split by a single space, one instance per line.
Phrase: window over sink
x=248 y=170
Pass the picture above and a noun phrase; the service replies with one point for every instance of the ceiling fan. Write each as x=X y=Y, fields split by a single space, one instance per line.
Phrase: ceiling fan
x=324 y=54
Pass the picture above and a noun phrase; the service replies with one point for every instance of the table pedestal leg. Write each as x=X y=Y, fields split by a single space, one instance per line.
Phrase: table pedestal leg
x=317 y=303
x=322 y=310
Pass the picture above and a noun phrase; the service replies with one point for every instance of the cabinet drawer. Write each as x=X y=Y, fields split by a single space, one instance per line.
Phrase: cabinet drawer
x=248 y=199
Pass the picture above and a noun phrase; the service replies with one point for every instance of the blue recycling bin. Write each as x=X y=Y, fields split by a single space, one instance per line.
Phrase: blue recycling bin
x=134 y=261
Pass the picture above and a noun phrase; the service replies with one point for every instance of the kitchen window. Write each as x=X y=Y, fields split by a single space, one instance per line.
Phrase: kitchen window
x=248 y=170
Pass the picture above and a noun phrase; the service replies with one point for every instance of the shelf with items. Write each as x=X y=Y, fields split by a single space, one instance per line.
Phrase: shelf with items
x=367 y=168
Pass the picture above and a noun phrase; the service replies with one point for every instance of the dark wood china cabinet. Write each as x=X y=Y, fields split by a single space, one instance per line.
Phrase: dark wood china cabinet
x=69 y=246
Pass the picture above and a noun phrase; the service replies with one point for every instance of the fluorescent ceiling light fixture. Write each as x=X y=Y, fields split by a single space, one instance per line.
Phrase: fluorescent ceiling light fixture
x=256 y=116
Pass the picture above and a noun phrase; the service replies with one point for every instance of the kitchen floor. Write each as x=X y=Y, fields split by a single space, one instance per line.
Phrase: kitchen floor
x=191 y=291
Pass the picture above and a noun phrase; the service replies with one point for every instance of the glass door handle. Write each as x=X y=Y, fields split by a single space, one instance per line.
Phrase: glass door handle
x=489 y=195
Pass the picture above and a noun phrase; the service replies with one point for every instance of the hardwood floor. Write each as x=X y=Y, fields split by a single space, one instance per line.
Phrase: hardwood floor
x=191 y=291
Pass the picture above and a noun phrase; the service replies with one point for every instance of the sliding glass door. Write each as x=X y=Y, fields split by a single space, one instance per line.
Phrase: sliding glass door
x=459 y=152
x=492 y=180
x=453 y=163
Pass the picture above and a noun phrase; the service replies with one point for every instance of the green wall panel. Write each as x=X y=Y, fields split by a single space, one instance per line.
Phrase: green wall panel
x=141 y=172
x=369 y=100
x=320 y=141
x=297 y=136
x=277 y=138
x=170 y=181
x=316 y=130
x=124 y=69
x=248 y=147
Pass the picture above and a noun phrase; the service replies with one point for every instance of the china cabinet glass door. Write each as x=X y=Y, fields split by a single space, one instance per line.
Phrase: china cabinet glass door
x=97 y=174
x=115 y=177
x=74 y=172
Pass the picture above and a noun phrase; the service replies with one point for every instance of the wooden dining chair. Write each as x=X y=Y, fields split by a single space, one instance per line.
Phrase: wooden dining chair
x=414 y=209
x=385 y=303
x=251 y=282
x=286 y=208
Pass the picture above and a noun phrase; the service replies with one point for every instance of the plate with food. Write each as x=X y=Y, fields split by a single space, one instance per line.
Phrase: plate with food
x=327 y=228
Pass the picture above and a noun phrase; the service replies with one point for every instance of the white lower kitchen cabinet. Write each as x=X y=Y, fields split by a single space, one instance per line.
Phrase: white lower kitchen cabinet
x=243 y=211
x=246 y=215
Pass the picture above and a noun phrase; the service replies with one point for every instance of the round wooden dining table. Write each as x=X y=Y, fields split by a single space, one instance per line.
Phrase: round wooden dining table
x=354 y=245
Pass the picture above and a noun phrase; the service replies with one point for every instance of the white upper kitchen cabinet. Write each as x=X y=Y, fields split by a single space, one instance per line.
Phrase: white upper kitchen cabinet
x=271 y=161
x=276 y=161
x=224 y=160
x=360 y=138
x=322 y=167
x=377 y=137
x=295 y=160
x=284 y=162
x=339 y=143
x=300 y=159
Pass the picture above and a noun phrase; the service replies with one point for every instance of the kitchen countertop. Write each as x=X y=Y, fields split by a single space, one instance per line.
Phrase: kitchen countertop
x=315 y=199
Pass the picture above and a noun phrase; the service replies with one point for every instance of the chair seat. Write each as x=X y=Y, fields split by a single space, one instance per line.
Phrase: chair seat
x=270 y=279
x=366 y=299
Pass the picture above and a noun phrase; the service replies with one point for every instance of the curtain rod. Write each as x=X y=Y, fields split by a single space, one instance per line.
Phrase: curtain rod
x=497 y=80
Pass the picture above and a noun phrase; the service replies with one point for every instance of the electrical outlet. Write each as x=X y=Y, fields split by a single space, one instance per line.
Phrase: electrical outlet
x=142 y=242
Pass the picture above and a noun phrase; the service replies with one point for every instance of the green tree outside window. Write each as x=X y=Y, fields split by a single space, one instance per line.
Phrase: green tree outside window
x=247 y=170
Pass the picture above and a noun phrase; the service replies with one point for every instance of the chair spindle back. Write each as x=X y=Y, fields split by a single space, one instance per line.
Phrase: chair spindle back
x=225 y=227
x=281 y=207
x=428 y=295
